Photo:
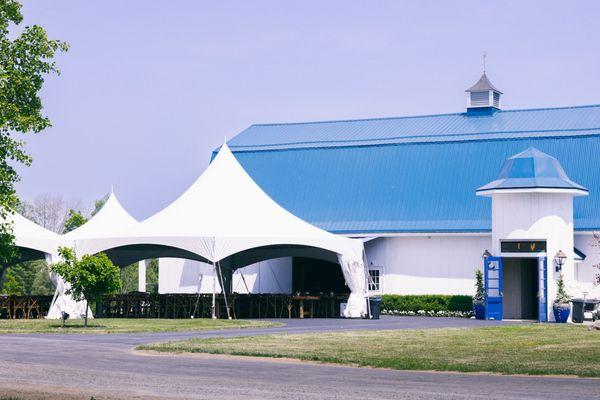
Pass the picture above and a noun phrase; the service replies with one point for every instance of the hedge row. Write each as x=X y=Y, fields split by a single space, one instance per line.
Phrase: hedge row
x=434 y=302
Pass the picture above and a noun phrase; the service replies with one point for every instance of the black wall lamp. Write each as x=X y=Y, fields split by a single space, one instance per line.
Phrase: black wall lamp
x=560 y=258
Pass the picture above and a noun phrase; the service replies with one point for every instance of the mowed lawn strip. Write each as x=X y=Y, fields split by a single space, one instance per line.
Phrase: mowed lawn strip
x=539 y=349
x=123 y=325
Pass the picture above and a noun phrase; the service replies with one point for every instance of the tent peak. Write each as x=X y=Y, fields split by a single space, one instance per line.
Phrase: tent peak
x=111 y=217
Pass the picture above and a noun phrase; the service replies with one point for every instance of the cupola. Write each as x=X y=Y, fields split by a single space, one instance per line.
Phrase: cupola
x=483 y=95
x=532 y=170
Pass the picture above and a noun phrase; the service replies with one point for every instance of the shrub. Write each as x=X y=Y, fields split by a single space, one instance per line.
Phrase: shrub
x=562 y=297
x=479 y=287
x=429 y=303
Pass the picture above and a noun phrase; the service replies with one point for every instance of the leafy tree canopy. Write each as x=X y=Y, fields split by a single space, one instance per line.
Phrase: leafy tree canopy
x=98 y=204
x=74 y=220
x=130 y=278
x=28 y=278
x=90 y=277
x=24 y=61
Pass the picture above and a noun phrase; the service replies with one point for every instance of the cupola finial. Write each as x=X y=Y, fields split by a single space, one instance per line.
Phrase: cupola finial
x=483 y=95
x=483 y=59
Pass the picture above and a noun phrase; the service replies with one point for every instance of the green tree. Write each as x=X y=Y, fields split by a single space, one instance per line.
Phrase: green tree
x=42 y=284
x=98 y=204
x=74 y=220
x=25 y=59
x=129 y=278
x=19 y=278
x=152 y=276
x=27 y=279
x=90 y=277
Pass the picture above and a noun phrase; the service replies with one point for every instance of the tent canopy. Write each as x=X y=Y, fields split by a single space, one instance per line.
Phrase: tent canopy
x=223 y=213
x=35 y=242
x=111 y=217
x=225 y=216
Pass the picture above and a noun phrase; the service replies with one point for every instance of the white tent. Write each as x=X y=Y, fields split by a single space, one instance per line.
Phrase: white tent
x=111 y=217
x=226 y=215
x=37 y=243
x=30 y=236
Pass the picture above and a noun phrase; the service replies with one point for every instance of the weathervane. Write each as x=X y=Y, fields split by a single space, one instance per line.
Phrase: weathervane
x=483 y=57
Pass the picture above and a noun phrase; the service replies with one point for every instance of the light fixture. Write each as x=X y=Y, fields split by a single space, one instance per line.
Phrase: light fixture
x=64 y=316
x=486 y=254
x=560 y=258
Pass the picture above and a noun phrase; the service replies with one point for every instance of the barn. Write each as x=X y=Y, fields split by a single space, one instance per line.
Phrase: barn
x=431 y=196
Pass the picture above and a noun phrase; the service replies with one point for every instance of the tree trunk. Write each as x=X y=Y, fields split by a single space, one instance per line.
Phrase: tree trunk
x=3 y=269
x=86 y=313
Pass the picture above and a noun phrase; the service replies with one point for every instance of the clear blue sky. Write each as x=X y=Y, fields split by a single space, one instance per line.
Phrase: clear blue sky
x=149 y=88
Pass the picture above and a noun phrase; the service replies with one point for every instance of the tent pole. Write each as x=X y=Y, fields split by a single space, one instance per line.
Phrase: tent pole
x=244 y=280
x=198 y=298
x=223 y=290
x=214 y=292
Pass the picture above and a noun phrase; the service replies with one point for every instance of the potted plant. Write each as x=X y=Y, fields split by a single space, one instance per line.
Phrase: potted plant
x=479 y=298
x=561 y=306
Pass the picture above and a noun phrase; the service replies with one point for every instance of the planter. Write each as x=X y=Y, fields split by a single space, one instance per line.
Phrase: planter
x=561 y=312
x=479 y=309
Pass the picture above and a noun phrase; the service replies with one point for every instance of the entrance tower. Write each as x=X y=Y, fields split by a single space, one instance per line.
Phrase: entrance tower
x=532 y=217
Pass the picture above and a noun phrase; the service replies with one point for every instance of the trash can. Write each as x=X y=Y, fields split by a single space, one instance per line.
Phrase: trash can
x=374 y=307
x=592 y=306
x=578 y=309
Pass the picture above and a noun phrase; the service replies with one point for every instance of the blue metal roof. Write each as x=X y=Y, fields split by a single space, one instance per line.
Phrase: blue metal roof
x=513 y=124
x=415 y=174
x=532 y=169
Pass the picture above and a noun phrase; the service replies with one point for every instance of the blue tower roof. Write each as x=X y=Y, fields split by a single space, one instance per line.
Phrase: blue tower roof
x=532 y=169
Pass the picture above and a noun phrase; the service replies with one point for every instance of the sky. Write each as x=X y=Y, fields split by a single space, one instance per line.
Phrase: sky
x=149 y=88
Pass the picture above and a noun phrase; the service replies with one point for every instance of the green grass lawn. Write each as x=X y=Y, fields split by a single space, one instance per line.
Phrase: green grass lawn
x=122 y=325
x=519 y=349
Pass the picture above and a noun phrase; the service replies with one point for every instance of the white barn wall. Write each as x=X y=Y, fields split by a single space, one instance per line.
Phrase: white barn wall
x=177 y=275
x=585 y=271
x=428 y=264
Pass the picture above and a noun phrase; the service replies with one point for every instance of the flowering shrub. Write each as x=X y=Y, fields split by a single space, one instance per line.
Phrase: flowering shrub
x=426 y=303
x=423 y=313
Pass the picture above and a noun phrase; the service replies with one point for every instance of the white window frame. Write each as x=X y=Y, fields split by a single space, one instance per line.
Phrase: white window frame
x=379 y=269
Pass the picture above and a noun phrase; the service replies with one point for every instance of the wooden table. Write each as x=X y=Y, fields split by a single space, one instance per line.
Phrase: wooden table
x=301 y=300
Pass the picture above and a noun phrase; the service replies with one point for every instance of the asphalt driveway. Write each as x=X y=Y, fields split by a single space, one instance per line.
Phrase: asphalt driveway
x=104 y=366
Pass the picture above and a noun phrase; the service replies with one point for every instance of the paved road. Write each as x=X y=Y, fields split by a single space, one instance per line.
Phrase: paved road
x=104 y=366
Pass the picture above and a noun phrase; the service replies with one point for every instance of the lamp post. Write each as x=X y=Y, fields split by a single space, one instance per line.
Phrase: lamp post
x=560 y=258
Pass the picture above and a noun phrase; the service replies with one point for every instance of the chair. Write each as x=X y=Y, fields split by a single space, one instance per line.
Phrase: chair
x=33 y=306
x=19 y=307
x=5 y=306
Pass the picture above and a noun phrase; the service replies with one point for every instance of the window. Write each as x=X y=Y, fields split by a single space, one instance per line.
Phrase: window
x=375 y=279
